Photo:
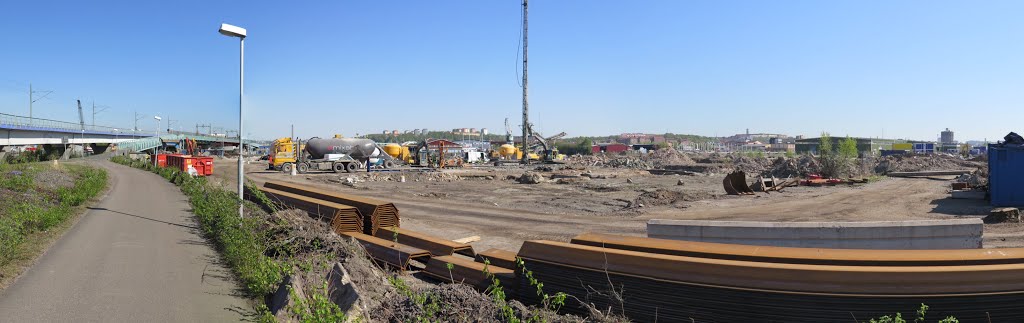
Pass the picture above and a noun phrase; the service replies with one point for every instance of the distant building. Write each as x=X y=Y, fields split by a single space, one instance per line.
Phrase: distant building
x=640 y=139
x=865 y=146
x=483 y=131
x=946 y=137
x=610 y=148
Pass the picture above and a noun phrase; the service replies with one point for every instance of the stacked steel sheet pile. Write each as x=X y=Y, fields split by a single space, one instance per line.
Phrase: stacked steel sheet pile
x=674 y=281
x=343 y=218
x=376 y=213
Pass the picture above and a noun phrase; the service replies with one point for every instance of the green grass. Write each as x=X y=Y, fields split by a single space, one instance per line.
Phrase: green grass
x=239 y=240
x=243 y=243
x=38 y=209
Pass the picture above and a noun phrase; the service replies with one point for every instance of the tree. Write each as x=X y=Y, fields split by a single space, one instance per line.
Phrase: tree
x=848 y=148
x=825 y=145
x=585 y=147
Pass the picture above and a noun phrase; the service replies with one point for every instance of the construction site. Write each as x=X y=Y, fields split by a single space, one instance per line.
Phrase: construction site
x=520 y=225
x=710 y=223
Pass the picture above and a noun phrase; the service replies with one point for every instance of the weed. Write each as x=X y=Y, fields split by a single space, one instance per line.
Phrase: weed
x=921 y=313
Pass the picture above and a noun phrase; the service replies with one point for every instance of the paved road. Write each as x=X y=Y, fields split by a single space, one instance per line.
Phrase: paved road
x=134 y=257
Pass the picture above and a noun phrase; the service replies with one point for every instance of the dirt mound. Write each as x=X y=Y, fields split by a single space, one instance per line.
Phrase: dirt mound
x=930 y=162
x=666 y=157
x=661 y=197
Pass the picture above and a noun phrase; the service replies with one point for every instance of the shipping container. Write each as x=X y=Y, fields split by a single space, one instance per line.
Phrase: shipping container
x=903 y=146
x=161 y=159
x=202 y=165
x=1006 y=175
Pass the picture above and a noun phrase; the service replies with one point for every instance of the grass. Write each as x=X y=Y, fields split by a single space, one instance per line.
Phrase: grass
x=243 y=243
x=32 y=216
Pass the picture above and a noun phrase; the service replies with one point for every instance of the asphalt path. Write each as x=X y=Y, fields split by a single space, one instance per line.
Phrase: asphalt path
x=136 y=256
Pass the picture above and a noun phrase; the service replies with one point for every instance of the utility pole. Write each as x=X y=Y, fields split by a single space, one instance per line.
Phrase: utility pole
x=169 y=123
x=137 y=118
x=526 y=105
x=31 y=100
x=94 y=112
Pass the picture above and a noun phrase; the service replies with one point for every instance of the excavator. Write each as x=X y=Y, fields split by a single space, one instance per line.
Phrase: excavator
x=549 y=154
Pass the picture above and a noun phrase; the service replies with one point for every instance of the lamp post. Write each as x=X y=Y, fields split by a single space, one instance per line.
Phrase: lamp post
x=235 y=31
x=156 y=150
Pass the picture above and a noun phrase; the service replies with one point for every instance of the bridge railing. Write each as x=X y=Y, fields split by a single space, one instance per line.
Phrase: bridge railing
x=23 y=122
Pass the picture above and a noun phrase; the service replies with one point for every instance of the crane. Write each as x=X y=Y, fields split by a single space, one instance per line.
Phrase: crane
x=508 y=133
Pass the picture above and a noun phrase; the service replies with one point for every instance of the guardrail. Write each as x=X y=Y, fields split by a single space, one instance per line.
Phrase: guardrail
x=21 y=122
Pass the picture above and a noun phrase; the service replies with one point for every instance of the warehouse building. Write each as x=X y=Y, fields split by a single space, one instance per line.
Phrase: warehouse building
x=865 y=146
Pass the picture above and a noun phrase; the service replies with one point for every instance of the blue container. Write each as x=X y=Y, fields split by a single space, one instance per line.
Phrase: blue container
x=1006 y=175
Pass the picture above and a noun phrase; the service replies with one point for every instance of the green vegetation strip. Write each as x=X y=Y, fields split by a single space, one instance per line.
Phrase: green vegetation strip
x=241 y=241
x=28 y=207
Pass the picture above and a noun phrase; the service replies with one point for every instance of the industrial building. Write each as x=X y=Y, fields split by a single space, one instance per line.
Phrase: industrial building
x=865 y=146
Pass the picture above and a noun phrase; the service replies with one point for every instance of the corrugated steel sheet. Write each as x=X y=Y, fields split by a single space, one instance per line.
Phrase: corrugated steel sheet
x=1006 y=175
x=649 y=287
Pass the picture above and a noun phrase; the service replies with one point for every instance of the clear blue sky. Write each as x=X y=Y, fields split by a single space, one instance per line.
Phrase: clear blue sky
x=901 y=69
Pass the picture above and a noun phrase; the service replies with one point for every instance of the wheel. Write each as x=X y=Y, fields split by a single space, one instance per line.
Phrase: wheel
x=389 y=164
x=338 y=167
x=287 y=167
x=351 y=167
x=301 y=168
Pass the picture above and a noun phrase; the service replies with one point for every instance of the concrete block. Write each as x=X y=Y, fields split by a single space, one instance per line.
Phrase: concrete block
x=915 y=234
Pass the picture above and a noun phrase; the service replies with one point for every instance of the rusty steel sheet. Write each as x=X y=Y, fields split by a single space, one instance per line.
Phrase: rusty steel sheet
x=818 y=256
x=866 y=280
x=676 y=288
x=376 y=213
x=498 y=257
x=467 y=271
x=644 y=299
x=394 y=254
x=436 y=246
x=343 y=218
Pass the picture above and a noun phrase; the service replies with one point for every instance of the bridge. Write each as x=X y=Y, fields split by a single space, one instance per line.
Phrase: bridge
x=54 y=134
x=21 y=131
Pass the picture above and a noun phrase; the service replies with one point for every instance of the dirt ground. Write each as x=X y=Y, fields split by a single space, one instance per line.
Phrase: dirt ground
x=490 y=202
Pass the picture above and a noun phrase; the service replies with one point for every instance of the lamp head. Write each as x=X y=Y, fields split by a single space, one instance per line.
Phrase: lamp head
x=232 y=31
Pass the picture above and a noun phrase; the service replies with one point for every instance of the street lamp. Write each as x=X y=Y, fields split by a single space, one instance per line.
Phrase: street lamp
x=156 y=149
x=235 y=31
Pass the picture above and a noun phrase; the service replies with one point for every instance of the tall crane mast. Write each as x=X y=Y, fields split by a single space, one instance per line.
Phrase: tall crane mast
x=526 y=104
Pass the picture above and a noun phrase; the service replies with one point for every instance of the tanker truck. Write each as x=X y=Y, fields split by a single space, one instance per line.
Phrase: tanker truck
x=333 y=154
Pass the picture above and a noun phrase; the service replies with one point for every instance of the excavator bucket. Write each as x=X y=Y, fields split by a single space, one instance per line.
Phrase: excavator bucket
x=736 y=184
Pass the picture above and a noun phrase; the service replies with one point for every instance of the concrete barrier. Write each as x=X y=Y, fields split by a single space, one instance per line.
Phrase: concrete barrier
x=915 y=234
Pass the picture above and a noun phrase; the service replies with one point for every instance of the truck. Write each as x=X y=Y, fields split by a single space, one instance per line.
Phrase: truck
x=333 y=154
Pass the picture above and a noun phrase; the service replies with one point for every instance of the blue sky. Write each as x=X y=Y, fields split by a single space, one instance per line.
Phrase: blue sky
x=901 y=69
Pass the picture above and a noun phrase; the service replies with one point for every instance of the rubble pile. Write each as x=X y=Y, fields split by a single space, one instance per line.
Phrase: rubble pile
x=750 y=165
x=631 y=161
x=784 y=167
x=972 y=180
x=665 y=157
x=530 y=178
x=930 y=162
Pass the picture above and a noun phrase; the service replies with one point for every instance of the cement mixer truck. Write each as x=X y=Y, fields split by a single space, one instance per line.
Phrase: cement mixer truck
x=333 y=154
